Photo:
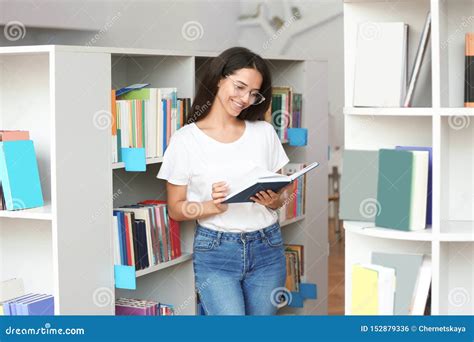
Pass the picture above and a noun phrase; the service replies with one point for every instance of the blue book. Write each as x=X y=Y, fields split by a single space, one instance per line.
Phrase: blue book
x=119 y=223
x=19 y=175
x=7 y=305
x=429 y=199
x=274 y=183
x=40 y=306
x=129 y=88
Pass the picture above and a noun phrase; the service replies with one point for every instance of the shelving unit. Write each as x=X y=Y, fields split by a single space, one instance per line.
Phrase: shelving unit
x=65 y=248
x=437 y=120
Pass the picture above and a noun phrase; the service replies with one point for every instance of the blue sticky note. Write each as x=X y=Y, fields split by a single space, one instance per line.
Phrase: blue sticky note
x=134 y=159
x=125 y=277
x=297 y=136
x=308 y=291
x=296 y=300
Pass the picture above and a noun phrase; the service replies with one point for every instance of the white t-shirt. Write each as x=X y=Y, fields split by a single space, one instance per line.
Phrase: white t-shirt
x=195 y=159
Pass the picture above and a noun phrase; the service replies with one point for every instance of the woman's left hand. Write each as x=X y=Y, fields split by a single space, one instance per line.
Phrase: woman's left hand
x=267 y=198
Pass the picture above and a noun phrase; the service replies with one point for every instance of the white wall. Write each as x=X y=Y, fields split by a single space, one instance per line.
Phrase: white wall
x=160 y=24
x=139 y=24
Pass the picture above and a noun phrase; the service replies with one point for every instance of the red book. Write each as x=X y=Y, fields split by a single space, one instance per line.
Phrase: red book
x=127 y=239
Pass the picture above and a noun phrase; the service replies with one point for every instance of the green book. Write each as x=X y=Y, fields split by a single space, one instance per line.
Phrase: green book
x=401 y=189
x=358 y=190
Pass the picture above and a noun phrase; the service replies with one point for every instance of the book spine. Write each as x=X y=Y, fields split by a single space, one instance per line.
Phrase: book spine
x=469 y=72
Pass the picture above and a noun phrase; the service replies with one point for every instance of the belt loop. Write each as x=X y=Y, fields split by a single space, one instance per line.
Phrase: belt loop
x=262 y=233
x=219 y=236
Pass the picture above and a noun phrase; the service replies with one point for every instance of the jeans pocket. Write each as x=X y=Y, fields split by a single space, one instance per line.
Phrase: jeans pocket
x=203 y=242
x=274 y=239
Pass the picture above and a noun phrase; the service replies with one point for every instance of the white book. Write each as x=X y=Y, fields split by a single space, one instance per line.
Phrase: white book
x=422 y=287
x=11 y=288
x=117 y=260
x=381 y=64
x=419 y=190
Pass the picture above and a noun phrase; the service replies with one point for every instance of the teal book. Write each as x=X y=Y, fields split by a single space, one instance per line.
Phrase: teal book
x=401 y=189
x=358 y=190
x=19 y=175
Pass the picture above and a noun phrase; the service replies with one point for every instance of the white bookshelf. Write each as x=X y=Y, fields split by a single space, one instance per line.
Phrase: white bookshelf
x=65 y=248
x=437 y=120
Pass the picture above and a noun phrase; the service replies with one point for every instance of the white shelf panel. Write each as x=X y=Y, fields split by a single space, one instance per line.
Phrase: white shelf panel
x=374 y=111
x=293 y=220
x=457 y=231
x=456 y=111
x=40 y=213
x=121 y=165
x=369 y=229
x=163 y=265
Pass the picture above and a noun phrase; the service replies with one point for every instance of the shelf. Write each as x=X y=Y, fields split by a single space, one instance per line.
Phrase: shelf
x=121 y=165
x=457 y=231
x=462 y=111
x=40 y=213
x=293 y=220
x=378 y=111
x=369 y=229
x=163 y=265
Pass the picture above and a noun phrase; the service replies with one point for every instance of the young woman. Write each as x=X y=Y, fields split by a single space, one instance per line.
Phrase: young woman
x=238 y=259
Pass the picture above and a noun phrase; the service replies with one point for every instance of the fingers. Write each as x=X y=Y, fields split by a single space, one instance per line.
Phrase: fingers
x=219 y=192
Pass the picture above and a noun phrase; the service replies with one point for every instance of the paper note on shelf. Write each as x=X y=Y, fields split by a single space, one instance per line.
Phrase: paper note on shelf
x=125 y=277
x=134 y=159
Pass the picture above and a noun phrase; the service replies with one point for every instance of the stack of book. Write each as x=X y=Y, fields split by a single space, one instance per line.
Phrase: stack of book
x=294 y=255
x=294 y=206
x=146 y=118
x=20 y=186
x=392 y=284
x=139 y=307
x=285 y=111
x=144 y=235
x=391 y=187
x=31 y=304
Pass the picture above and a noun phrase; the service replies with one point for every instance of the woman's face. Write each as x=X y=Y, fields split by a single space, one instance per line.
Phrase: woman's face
x=246 y=81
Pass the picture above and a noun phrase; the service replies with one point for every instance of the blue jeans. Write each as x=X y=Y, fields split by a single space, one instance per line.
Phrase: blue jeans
x=239 y=273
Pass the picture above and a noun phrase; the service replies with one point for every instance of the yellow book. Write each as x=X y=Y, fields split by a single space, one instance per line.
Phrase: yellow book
x=365 y=299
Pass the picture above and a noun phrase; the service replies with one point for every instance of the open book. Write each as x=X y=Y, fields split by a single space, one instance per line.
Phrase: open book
x=274 y=182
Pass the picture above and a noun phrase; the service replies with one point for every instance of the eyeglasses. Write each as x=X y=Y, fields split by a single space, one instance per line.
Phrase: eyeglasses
x=240 y=90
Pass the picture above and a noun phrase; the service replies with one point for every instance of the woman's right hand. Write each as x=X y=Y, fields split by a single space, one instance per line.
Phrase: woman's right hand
x=219 y=192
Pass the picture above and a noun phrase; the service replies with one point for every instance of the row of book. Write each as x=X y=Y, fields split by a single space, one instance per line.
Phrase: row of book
x=469 y=71
x=285 y=111
x=294 y=255
x=391 y=187
x=140 y=307
x=145 y=235
x=294 y=206
x=31 y=304
x=146 y=118
x=392 y=284
x=381 y=67
x=20 y=186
